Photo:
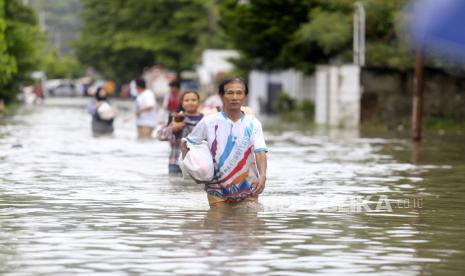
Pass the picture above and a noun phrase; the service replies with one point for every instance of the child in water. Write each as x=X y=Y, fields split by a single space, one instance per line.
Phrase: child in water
x=179 y=127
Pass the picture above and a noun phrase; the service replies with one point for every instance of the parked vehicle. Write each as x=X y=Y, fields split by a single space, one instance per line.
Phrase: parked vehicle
x=61 y=88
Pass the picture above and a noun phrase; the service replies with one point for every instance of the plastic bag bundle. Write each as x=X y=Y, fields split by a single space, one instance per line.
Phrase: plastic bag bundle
x=198 y=162
x=106 y=111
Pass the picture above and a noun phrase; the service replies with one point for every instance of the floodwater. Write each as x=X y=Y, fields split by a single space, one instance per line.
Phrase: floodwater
x=336 y=203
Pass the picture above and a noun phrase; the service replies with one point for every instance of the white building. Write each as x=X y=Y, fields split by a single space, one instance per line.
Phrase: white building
x=334 y=89
x=215 y=63
x=264 y=87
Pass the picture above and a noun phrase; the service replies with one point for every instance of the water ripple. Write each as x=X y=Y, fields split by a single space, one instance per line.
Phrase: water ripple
x=74 y=204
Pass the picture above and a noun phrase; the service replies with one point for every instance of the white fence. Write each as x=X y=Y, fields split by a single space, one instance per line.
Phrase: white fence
x=264 y=86
x=338 y=91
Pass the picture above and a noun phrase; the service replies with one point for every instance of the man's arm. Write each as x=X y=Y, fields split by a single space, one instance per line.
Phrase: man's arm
x=259 y=185
x=198 y=134
x=184 y=148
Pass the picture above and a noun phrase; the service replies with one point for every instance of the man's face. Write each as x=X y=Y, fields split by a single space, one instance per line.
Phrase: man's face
x=234 y=96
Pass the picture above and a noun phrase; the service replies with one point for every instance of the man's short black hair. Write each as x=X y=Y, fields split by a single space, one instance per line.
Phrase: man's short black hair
x=175 y=83
x=140 y=83
x=228 y=81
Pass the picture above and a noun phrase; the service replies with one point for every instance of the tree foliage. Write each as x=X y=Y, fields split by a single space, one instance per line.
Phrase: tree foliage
x=120 y=38
x=265 y=33
x=58 y=67
x=61 y=22
x=18 y=52
x=7 y=62
x=279 y=34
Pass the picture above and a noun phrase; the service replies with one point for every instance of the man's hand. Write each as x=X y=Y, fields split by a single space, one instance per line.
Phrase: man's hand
x=258 y=186
x=184 y=149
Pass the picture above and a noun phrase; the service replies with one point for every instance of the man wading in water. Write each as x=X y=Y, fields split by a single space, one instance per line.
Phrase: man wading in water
x=237 y=146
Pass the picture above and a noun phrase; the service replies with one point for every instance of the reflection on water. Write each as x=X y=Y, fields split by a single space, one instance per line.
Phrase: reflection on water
x=74 y=204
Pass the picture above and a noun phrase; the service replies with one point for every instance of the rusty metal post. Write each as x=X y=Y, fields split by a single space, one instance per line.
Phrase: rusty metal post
x=417 y=112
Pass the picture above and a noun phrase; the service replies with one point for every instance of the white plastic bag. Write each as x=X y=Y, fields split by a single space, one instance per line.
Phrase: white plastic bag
x=185 y=174
x=106 y=111
x=198 y=162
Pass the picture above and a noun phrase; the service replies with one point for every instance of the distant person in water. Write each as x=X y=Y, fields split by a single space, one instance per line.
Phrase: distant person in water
x=211 y=103
x=172 y=100
x=146 y=113
x=103 y=113
x=179 y=127
x=237 y=146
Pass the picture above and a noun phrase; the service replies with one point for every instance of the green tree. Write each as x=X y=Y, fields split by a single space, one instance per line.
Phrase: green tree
x=264 y=32
x=19 y=55
x=7 y=62
x=386 y=44
x=279 y=34
x=61 y=22
x=58 y=67
x=120 y=38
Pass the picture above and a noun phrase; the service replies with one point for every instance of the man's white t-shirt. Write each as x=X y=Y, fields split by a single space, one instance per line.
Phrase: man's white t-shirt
x=147 y=118
x=232 y=145
x=133 y=89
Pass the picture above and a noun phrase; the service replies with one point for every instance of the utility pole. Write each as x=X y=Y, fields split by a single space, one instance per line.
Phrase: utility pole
x=359 y=34
x=42 y=24
x=417 y=112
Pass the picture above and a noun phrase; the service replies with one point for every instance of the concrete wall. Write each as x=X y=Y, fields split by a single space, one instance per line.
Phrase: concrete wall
x=387 y=95
x=337 y=101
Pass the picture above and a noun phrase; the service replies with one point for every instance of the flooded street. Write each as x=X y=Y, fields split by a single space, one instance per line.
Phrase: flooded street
x=335 y=204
